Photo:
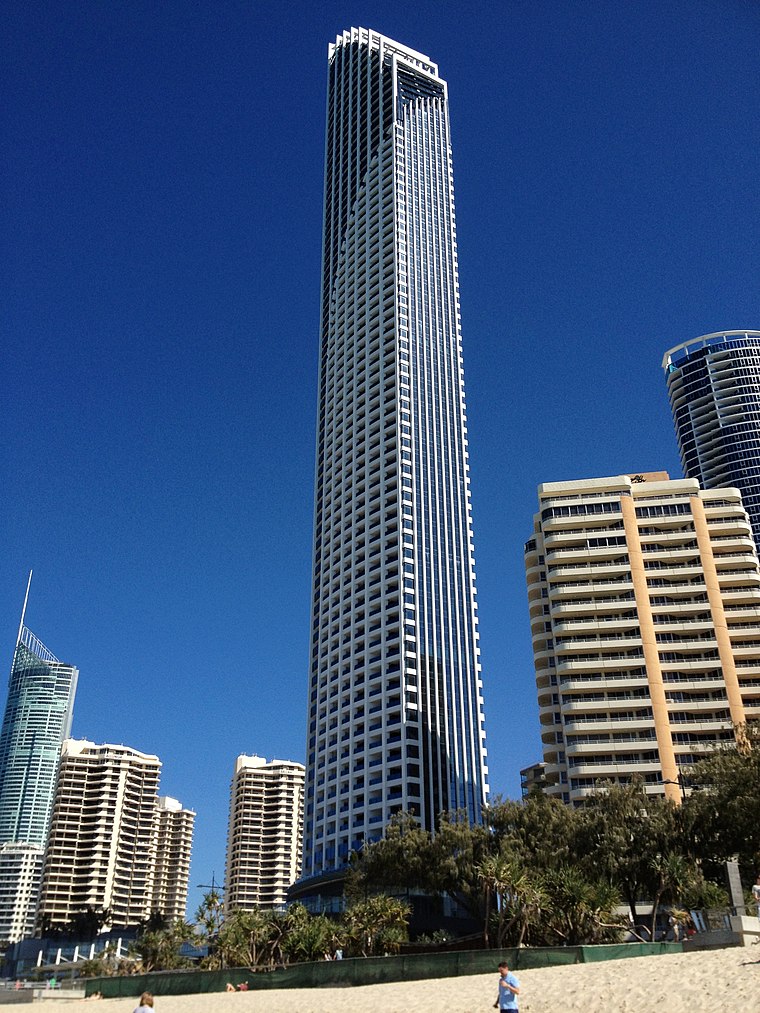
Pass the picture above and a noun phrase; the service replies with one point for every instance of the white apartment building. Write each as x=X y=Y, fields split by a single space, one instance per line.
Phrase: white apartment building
x=644 y=598
x=105 y=835
x=265 y=834
x=174 y=844
x=20 y=872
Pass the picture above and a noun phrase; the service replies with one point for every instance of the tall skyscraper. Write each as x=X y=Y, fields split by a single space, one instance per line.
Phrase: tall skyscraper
x=174 y=844
x=37 y=719
x=265 y=833
x=644 y=598
x=105 y=835
x=714 y=388
x=395 y=713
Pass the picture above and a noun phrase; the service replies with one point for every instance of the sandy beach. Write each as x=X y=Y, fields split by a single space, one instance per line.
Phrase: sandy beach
x=726 y=980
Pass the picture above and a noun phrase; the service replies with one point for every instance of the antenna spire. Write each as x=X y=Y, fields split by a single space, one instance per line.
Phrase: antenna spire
x=23 y=610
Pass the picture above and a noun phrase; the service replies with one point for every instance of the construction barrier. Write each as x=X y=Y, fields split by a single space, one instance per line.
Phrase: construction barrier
x=368 y=970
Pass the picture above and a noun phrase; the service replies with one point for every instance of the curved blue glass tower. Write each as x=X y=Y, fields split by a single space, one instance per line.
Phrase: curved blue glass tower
x=714 y=388
x=395 y=718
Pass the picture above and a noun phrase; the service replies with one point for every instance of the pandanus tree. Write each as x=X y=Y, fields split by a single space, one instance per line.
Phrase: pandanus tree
x=377 y=925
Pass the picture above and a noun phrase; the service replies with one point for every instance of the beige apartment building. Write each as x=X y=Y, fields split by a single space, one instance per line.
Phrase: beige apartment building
x=644 y=598
x=265 y=834
x=108 y=835
x=20 y=872
x=174 y=845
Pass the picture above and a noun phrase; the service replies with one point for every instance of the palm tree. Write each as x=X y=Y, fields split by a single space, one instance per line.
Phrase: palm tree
x=309 y=937
x=487 y=873
x=519 y=896
x=673 y=875
x=242 y=938
x=377 y=925
x=580 y=910
x=160 y=950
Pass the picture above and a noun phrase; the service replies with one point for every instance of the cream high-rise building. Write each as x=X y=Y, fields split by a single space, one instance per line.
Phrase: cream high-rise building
x=265 y=834
x=174 y=843
x=20 y=872
x=644 y=598
x=106 y=836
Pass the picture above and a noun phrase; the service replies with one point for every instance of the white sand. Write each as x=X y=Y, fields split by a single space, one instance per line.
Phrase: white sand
x=703 y=982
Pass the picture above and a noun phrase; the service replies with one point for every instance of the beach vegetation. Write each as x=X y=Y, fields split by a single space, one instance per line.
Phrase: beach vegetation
x=159 y=950
x=376 y=926
x=724 y=804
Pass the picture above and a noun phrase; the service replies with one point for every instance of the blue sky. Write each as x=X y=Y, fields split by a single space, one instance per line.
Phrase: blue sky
x=160 y=272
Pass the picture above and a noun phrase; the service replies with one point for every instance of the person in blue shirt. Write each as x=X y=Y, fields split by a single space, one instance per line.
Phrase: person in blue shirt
x=509 y=989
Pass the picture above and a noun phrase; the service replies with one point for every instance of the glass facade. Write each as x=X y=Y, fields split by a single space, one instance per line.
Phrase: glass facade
x=395 y=718
x=37 y=719
x=714 y=388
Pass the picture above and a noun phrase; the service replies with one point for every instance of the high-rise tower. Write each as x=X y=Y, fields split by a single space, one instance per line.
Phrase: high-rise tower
x=644 y=605
x=714 y=387
x=265 y=834
x=37 y=719
x=395 y=719
x=174 y=844
x=112 y=839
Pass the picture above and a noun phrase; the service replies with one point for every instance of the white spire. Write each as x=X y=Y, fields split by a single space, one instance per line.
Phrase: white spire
x=23 y=610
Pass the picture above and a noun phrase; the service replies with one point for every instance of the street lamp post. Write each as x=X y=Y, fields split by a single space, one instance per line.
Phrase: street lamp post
x=681 y=782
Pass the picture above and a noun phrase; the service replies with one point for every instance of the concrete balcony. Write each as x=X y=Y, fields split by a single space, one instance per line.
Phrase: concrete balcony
x=635 y=743
x=578 y=682
x=747 y=667
x=568 y=645
x=585 y=555
x=602 y=569
x=586 y=588
x=587 y=609
x=695 y=664
x=614 y=768
x=605 y=522
x=698 y=722
x=596 y=664
x=747 y=653
x=750 y=593
x=546 y=715
x=595 y=625
x=611 y=722
x=693 y=685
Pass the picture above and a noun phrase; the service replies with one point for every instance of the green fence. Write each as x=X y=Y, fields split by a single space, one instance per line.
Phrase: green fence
x=368 y=970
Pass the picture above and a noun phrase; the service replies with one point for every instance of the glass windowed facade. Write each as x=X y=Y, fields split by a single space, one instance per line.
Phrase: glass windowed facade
x=395 y=713
x=714 y=389
x=37 y=719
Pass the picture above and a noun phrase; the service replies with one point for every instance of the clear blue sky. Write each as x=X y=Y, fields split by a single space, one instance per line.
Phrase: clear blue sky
x=160 y=279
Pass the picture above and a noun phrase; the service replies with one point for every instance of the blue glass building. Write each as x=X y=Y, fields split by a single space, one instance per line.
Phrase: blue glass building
x=714 y=389
x=37 y=719
x=395 y=713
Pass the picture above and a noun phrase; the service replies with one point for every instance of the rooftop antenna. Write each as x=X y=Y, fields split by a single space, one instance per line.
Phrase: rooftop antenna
x=23 y=610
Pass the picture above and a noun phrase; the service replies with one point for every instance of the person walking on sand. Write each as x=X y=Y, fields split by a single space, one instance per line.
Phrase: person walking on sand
x=756 y=894
x=509 y=989
x=146 y=1003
